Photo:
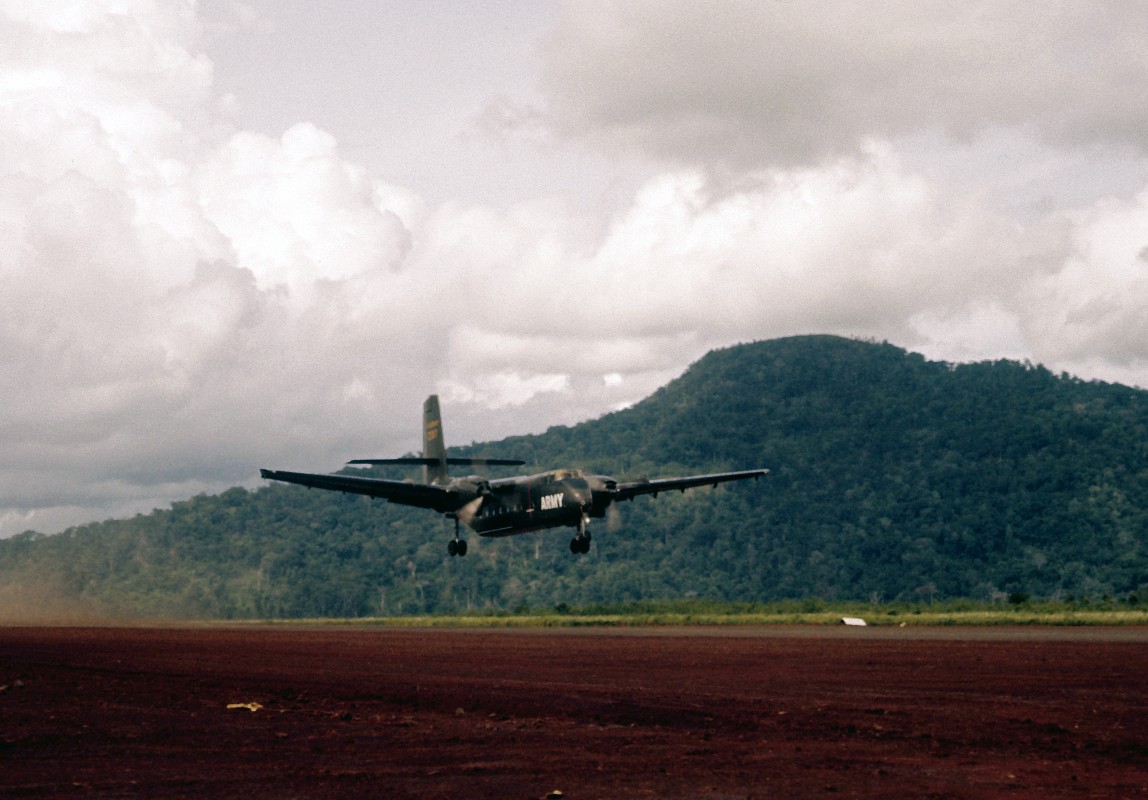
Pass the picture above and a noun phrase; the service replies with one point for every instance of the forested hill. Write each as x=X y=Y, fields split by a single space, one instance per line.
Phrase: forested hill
x=891 y=477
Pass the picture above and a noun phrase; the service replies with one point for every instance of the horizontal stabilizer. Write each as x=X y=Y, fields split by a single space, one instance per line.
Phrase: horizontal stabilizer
x=430 y=462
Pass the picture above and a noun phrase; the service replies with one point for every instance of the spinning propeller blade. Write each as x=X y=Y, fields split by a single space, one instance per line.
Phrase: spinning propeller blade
x=469 y=511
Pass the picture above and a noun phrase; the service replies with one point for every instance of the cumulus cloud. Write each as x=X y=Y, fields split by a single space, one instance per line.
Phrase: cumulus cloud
x=171 y=292
x=294 y=211
x=1095 y=304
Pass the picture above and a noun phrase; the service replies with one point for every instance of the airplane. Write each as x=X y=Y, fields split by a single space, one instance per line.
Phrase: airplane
x=501 y=506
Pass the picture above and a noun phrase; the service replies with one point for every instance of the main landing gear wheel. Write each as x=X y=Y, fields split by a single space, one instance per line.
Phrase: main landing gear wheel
x=580 y=543
x=456 y=546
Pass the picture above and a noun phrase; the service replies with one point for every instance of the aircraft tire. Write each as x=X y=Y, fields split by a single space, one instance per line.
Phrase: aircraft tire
x=461 y=547
x=574 y=548
x=452 y=547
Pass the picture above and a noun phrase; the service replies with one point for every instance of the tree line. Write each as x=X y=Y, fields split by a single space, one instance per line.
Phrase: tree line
x=892 y=478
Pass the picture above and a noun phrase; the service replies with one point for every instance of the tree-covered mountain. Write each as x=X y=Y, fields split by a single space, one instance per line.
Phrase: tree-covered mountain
x=892 y=477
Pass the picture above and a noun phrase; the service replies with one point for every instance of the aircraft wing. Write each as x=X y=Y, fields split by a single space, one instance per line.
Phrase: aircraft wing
x=627 y=491
x=423 y=495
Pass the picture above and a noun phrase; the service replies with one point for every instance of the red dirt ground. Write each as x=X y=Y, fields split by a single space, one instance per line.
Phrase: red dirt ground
x=681 y=713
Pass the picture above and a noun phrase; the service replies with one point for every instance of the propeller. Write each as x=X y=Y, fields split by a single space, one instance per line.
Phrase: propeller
x=605 y=485
x=469 y=511
x=613 y=518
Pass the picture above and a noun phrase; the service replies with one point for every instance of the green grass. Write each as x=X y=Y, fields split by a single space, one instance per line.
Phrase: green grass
x=798 y=612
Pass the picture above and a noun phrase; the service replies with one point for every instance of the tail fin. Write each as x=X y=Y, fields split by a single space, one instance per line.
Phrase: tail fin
x=434 y=459
x=433 y=445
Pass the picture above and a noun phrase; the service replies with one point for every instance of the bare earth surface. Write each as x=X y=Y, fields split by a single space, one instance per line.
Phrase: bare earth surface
x=662 y=713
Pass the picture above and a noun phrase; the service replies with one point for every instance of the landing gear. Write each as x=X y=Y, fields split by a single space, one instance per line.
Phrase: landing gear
x=456 y=546
x=581 y=542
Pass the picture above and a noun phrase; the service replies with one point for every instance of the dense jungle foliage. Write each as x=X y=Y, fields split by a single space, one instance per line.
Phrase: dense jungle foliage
x=892 y=478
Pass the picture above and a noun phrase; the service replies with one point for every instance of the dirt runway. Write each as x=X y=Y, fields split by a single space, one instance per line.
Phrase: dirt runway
x=687 y=713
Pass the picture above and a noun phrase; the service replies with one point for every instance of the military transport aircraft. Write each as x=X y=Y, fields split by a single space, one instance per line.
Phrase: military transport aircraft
x=500 y=506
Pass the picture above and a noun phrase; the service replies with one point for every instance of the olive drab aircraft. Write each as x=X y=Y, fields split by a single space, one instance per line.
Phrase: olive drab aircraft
x=500 y=506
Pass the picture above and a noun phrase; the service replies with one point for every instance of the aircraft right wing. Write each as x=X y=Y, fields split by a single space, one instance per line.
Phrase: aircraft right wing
x=423 y=495
x=630 y=490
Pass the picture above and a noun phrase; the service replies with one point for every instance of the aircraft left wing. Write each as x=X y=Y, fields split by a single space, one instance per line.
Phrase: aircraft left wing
x=627 y=491
x=423 y=495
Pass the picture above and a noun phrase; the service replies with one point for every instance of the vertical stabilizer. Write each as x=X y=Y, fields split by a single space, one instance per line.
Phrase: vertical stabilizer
x=433 y=444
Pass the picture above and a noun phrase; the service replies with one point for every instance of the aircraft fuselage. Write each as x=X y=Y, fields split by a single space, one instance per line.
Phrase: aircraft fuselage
x=530 y=503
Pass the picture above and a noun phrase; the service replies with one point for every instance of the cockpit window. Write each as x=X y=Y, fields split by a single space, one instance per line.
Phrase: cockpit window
x=563 y=474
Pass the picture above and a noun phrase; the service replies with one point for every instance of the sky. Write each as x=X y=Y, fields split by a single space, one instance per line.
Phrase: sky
x=258 y=233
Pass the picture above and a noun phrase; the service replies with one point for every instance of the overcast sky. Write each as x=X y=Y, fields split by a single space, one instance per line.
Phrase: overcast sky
x=254 y=233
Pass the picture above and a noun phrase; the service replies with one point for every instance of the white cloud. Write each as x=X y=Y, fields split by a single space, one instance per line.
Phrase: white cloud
x=506 y=388
x=295 y=212
x=852 y=246
x=158 y=314
x=1095 y=306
